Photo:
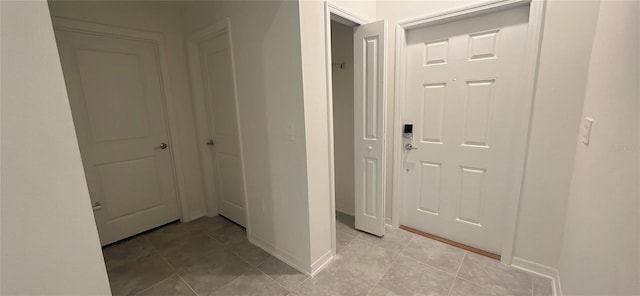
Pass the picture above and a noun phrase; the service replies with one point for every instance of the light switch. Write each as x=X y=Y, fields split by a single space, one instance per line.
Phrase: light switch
x=586 y=130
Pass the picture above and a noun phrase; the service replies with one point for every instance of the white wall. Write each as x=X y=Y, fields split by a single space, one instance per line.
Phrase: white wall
x=165 y=18
x=50 y=243
x=601 y=235
x=266 y=41
x=562 y=76
x=343 y=124
x=312 y=32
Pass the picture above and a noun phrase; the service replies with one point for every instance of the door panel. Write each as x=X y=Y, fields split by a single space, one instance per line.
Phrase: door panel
x=219 y=93
x=116 y=99
x=462 y=85
x=369 y=112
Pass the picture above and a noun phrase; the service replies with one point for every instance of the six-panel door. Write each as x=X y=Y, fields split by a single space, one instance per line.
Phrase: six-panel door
x=462 y=87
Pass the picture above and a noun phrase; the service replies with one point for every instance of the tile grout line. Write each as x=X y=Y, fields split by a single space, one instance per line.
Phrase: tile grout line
x=348 y=244
x=281 y=286
x=402 y=249
x=428 y=265
x=332 y=261
x=290 y=291
x=247 y=262
x=234 y=253
x=228 y=248
x=232 y=281
x=457 y=272
x=175 y=272
x=156 y=284
x=189 y=286
x=385 y=272
x=532 y=287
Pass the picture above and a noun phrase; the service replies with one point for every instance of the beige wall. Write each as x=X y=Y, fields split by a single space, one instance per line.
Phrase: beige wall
x=562 y=76
x=266 y=41
x=312 y=29
x=602 y=231
x=343 y=125
x=165 y=18
x=50 y=243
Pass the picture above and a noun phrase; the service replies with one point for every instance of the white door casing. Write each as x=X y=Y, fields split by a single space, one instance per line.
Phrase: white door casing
x=211 y=60
x=463 y=82
x=117 y=98
x=369 y=125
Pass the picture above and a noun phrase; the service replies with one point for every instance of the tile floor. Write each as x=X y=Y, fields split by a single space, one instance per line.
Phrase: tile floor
x=211 y=256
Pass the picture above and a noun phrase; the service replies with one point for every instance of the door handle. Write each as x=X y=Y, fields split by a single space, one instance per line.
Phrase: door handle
x=96 y=206
x=162 y=146
x=210 y=143
x=408 y=146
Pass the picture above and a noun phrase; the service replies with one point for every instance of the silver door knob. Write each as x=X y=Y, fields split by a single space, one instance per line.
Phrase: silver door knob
x=408 y=146
x=163 y=146
x=96 y=206
x=210 y=142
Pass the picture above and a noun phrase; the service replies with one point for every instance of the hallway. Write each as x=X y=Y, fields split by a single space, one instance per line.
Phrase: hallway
x=211 y=256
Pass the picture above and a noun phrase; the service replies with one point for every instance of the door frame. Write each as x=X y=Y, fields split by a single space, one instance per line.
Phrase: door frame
x=525 y=108
x=341 y=12
x=197 y=85
x=170 y=112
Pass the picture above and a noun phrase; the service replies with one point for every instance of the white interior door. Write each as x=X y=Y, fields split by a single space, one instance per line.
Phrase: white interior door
x=369 y=118
x=222 y=123
x=462 y=89
x=116 y=98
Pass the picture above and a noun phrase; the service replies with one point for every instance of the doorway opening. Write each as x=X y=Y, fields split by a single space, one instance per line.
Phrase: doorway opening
x=342 y=81
x=356 y=63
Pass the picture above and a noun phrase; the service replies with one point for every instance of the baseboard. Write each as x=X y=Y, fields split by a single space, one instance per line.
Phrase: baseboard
x=279 y=253
x=542 y=270
x=195 y=215
x=321 y=263
x=387 y=221
x=345 y=212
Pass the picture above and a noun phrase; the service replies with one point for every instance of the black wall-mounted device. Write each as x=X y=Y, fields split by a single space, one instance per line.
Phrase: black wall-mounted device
x=408 y=130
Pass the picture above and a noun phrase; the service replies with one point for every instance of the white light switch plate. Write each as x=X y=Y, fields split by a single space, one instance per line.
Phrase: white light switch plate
x=586 y=130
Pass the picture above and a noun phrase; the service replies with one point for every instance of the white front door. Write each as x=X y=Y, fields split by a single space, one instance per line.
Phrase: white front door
x=116 y=97
x=462 y=89
x=369 y=123
x=216 y=71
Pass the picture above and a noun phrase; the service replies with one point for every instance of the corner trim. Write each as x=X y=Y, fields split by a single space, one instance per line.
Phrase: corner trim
x=279 y=253
x=321 y=263
x=541 y=270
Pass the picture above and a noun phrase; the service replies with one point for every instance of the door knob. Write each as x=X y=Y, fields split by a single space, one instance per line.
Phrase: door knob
x=96 y=206
x=210 y=142
x=370 y=148
x=408 y=146
x=163 y=146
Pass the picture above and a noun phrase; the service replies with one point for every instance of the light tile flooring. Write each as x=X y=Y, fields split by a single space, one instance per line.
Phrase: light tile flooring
x=211 y=256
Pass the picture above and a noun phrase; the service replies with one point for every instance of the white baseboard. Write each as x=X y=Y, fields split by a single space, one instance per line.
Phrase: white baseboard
x=195 y=215
x=321 y=263
x=280 y=254
x=345 y=212
x=542 y=270
x=387 y=221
